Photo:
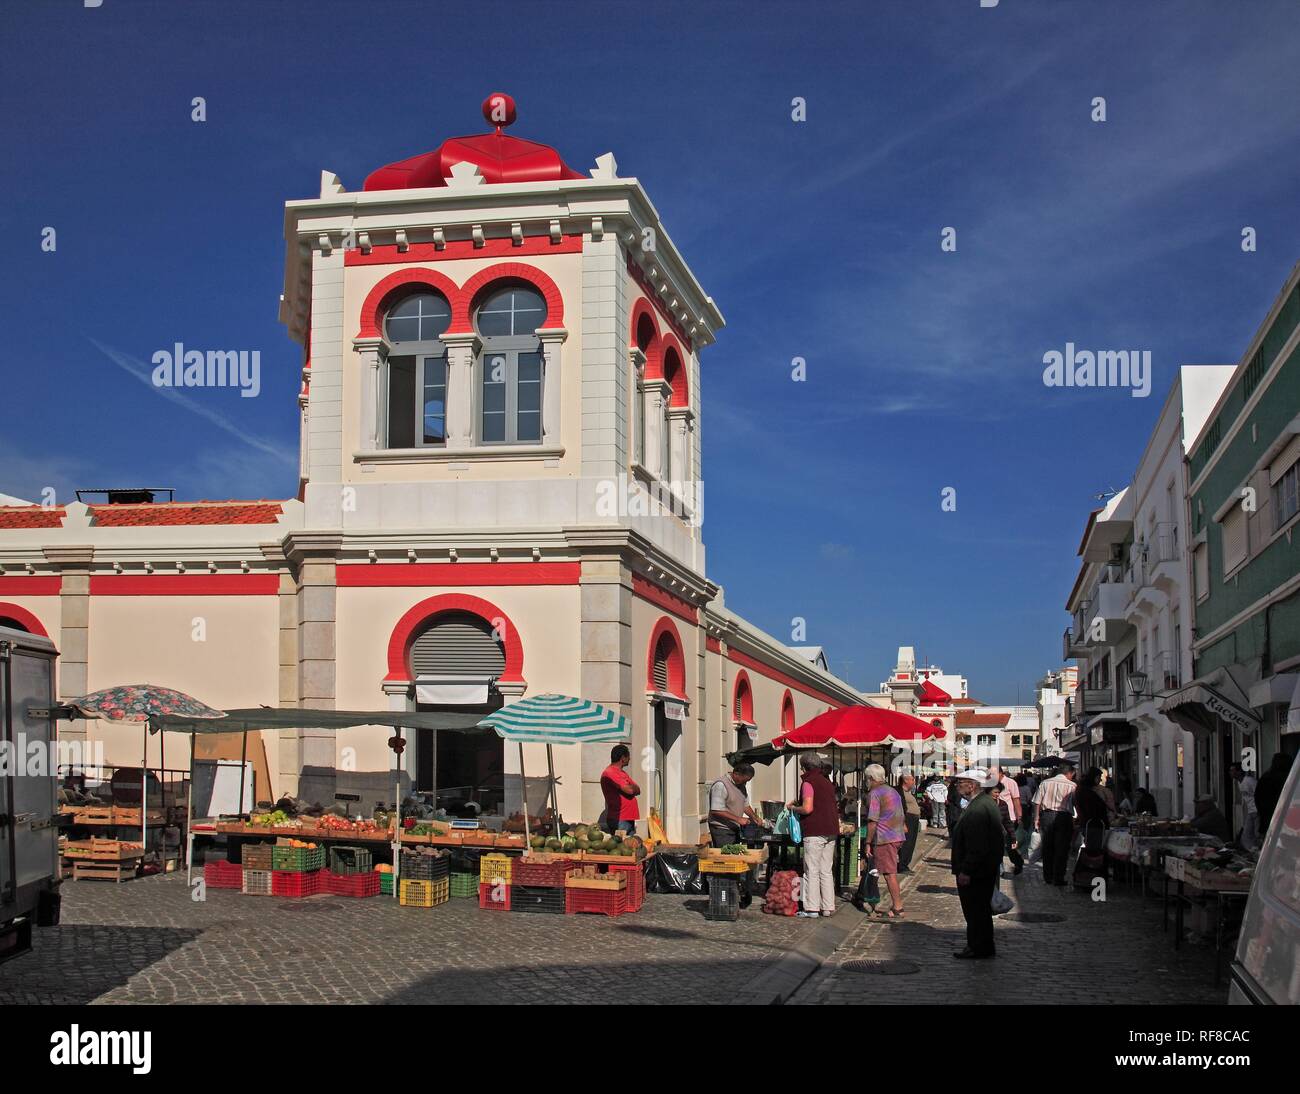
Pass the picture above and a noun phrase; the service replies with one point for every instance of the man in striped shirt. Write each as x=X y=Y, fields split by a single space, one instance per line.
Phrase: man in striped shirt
x=1054 y=818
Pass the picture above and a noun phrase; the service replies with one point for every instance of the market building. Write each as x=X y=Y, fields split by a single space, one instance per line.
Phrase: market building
x=500 y=495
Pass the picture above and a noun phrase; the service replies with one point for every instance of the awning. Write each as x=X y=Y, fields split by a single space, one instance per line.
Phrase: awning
x=559 y=720
x=859 y=727
x=1199 y=707
x=256 y=718
x=460 y=691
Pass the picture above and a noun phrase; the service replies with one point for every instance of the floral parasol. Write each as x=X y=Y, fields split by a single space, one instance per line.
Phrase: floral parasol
x=141 y=703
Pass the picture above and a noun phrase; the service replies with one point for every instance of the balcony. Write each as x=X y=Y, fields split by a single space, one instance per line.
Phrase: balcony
x=1110 y=604
x=1164 y=563
x=1088 y=701
x=1073 y=644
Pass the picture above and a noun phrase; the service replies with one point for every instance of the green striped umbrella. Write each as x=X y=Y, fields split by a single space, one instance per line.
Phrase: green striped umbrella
x=559 y=720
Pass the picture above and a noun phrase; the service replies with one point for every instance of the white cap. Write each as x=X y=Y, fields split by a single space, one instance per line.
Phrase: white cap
x=979 y=775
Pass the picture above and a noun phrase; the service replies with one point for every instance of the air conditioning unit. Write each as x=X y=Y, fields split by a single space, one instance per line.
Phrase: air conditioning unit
x=1117 y=552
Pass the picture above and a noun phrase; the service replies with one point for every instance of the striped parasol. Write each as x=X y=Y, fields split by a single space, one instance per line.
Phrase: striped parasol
x=558 y=720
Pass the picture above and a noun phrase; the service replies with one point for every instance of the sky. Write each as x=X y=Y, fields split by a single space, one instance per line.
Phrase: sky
x=819 y=239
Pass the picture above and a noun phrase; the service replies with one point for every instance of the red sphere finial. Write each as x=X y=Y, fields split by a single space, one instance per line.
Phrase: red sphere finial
x=499 y=110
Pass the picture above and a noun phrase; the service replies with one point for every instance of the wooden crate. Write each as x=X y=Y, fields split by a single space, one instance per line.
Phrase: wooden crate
x=93 y=814
x=753 y=856
x=1216 y=880
x=85 y=870
x=612 y=881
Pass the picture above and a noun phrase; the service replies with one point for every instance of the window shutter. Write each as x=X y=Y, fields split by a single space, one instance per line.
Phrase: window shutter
x=1234 y=539
x=661 y=668
x=458 y=645
x=1201 y=565
x=1282 y=462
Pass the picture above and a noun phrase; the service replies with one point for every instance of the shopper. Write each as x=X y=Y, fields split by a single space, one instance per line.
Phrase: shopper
x=937 y=793
x=912 y=818
x=1010 y=793
x=1249 y=838
x=886 y=834
x=1269 y=789
x=621 y=792
x=729 y=808
x=1209 y=819
x=1146 y=802
x=977 y=842
x=1011 y=843
x=1106 y=795
x=820 y=822
x=1054 y=818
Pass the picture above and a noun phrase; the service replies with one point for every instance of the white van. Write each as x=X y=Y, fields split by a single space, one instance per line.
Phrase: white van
x=1266 y=969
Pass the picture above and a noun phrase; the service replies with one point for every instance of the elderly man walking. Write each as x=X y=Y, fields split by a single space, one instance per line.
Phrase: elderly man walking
x=977 y=840
x=1054 y=817
x=886 y=834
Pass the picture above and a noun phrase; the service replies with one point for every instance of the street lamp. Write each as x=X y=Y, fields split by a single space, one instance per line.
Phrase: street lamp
x=1137 y=684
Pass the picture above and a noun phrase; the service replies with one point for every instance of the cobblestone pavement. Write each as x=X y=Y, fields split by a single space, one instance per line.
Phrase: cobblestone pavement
x=145 y=941
x=1111 y=952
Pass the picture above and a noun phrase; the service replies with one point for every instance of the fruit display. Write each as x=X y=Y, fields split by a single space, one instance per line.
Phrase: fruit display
x=383 y=868
x=782 y=894
x=270 y=820
x=589 y=839
x=299 y=843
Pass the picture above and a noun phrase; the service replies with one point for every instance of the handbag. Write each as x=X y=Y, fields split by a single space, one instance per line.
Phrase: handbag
x=868 y=889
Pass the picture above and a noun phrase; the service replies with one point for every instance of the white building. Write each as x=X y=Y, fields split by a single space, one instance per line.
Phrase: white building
x=1132 y=612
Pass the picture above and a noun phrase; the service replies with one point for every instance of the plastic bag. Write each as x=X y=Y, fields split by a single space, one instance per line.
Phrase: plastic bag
x=868 y=888
x=674 y=872
x=794 y=829
x=1001 y=903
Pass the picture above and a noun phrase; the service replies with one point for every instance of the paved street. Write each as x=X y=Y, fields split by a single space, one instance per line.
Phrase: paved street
x=1100 y=953
x=146 y=942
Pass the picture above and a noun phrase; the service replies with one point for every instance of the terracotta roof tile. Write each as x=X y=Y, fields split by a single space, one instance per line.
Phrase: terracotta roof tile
x=974 y=719
x=186 y=512
x=30 y=516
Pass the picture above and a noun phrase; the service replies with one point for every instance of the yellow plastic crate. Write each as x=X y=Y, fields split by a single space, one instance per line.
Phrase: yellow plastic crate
x=493 y=868
x=724 y=866
x=423 y=894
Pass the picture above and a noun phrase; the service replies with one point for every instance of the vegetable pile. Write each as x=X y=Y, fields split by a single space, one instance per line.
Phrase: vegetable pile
x=733 y=849
x=783 y=894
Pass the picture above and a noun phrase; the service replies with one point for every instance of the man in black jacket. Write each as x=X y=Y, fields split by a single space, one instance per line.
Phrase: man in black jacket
x=977 y=845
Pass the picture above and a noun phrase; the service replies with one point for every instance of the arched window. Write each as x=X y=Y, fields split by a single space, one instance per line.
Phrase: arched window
x=743 y=707
x=510 y=365
x=787 y=713
x=645 y=340
x=457 y=644
x=415 y=376
x=672 y=374
x=667 y=668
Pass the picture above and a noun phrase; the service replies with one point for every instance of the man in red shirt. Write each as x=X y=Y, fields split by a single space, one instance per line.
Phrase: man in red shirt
x=620 y=792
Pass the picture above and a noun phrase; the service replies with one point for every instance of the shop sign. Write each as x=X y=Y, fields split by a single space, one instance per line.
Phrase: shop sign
x=674 y=711
x=1229 y=713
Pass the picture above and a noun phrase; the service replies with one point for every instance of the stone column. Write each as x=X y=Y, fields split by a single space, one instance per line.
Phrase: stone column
x=552 y=339
x=680 y=421
x=461 y=349
x=656 y=394
x=368 y=416
x=636 y=361
x=288 y=754
x=606 y=675
x=315 y=556
x=73 y=565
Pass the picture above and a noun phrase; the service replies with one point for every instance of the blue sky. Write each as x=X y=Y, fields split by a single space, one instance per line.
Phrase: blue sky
x=818 y=240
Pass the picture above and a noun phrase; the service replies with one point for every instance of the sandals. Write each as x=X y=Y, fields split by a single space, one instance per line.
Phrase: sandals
x=892 y=913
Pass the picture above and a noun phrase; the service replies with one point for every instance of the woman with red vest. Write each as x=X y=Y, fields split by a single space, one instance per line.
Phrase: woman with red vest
x=819 y=818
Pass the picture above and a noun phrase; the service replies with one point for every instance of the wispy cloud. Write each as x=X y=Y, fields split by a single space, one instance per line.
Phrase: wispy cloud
x=133 y=366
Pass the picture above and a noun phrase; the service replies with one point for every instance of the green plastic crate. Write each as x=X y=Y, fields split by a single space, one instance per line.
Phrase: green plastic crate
x=386 y=884
x=298 y=859
x=351 y=860
x=464 y=885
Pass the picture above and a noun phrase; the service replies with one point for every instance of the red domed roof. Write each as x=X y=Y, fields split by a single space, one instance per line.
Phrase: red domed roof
x=499 y=158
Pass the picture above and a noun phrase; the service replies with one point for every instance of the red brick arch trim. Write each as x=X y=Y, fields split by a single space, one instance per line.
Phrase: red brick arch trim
x=676 y=659
x=462 y=308
x=746 y=699
x=380 y=298
x=787 y=712
x=653 y=368
x=679 y=378
x=23 y=618
x=399 y=645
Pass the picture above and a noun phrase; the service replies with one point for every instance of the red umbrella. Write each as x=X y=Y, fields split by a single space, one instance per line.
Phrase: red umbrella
x=858 y=727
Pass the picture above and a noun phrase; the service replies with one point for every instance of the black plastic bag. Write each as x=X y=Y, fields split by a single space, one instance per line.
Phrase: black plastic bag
x=671 y=872
x=868 y=893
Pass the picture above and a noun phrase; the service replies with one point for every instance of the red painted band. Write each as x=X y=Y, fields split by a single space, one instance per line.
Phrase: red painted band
x=781 y=677
x=662 y=598
x=387 y=253
x=184 y=584
x=446 y=575
x=31 y=586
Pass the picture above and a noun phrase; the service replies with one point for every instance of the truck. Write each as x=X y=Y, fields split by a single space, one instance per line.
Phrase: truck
x=29 y=837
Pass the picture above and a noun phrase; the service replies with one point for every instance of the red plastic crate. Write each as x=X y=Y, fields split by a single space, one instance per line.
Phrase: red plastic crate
x=485 y=897
x=223 y=875
x=549 y=875
x=635 y=883
x=366 y=884
x=600 y=901
x=293 y=883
